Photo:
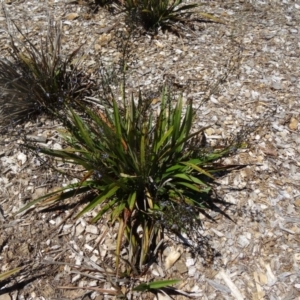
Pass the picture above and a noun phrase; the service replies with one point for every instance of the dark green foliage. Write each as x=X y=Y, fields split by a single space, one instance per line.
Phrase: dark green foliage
x=142 y=165
x=158 y=13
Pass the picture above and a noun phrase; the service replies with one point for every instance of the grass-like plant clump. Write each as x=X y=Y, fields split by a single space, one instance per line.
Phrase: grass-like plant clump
x=140 y=165
x=39 y=79
x=158 y=13
x=146 y=170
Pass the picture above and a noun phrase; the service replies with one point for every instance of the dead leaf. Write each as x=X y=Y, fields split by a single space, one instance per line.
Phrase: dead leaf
x=269 y=151
x=171 y=259
x=293 y=125
x=297 y=203
x=72 y=16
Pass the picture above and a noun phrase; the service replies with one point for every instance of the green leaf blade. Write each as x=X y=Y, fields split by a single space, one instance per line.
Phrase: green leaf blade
x=155 y=285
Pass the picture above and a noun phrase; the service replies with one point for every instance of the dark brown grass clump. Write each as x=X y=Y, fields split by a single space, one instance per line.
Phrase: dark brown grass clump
x=40 y=79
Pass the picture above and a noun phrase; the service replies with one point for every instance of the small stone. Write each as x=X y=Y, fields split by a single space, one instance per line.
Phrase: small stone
x=293 y=125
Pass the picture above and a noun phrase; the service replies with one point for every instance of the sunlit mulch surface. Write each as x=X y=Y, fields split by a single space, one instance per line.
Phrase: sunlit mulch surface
x=255 y=58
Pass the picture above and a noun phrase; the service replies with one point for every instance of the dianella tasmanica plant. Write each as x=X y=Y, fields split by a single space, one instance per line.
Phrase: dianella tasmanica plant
x=38 y=79
x=155 y=13
x=139 y=162
x=165 y=14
